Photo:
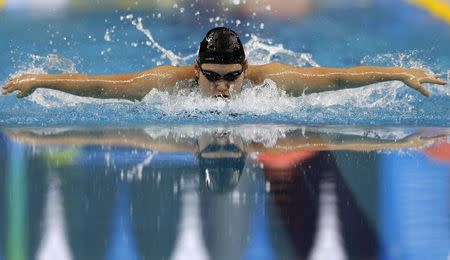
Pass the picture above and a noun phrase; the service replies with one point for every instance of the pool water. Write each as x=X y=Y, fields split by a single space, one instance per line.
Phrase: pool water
x=352 y=174
x=126 y=41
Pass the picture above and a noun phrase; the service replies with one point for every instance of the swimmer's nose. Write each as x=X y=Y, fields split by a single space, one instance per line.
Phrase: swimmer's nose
x=223 y=88
x=222 y=85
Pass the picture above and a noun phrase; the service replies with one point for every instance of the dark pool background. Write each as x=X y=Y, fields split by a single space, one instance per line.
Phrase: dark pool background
x=106 y=201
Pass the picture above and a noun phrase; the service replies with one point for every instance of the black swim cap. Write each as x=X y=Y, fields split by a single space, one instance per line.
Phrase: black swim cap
x=222 y=46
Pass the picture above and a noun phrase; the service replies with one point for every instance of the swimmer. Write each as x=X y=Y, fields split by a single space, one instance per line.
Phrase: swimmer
x=220 y=70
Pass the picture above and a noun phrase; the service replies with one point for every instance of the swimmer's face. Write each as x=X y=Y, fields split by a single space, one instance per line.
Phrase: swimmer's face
x=220 y=80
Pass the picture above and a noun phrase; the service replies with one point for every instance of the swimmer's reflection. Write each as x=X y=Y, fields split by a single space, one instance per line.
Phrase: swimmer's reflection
x=221 y=159
x=220 y=154
x=157 y=198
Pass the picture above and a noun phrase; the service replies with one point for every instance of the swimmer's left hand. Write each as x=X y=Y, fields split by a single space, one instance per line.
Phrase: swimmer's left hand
x=414 y=78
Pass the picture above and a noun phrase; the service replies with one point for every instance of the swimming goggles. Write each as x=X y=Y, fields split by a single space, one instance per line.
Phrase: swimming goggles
x=213 y=76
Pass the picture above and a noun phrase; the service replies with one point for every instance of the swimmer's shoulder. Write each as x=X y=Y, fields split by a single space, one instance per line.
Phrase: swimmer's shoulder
x=257 y=73
x=179 y=72
x=165 y=77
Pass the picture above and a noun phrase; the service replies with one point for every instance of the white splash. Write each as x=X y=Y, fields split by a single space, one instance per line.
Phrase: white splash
x=43 y=64
x=262 y=51
x=406 y=59
x=269 y=134
x=50 y=98
x=264 y=99
x=174 y=59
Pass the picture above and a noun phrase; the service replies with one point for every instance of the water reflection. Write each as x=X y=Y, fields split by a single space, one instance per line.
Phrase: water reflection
x=250 y=192
x=54 y=241
x=317 y=209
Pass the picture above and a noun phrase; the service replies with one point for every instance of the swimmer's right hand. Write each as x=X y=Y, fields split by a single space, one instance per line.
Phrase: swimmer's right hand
x=25 y=84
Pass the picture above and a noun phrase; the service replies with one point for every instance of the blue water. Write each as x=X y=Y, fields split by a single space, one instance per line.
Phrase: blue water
x=108 y=42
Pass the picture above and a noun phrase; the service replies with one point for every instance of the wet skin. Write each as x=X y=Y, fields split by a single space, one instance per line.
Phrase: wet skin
x=296 y=81
x=222 y=87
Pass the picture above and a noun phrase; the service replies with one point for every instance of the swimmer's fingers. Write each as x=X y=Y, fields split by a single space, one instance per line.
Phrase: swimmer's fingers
x=21 y=84
x=415 y=84
x=433 y=80
x=10 y=87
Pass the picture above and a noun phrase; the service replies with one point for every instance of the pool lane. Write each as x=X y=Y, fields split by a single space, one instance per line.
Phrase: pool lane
x=438 y=8
x=143 y=193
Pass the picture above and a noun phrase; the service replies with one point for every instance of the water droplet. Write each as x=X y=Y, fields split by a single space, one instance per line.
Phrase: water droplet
x=107 y=37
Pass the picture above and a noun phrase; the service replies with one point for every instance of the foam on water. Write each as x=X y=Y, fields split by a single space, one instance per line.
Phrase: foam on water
x=269 y=134
x=387 y=103
x=266 y=134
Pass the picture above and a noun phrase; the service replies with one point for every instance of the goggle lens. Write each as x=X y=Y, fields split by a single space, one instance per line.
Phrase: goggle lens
x=213 y=76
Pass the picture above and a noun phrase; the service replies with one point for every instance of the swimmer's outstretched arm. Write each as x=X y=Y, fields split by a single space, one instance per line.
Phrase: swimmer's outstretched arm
x=299 y=80
x=299 y=143
x=132 y=86
x=120 y=138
